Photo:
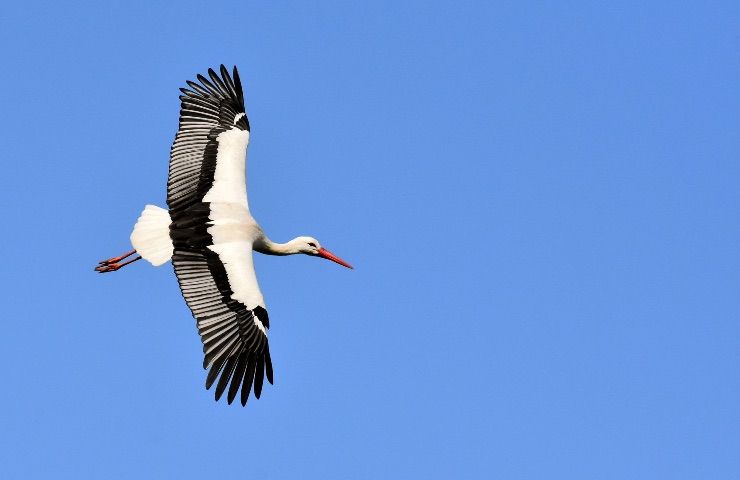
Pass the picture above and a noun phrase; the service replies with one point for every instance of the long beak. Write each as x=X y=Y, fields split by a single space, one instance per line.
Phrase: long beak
x=330 y=256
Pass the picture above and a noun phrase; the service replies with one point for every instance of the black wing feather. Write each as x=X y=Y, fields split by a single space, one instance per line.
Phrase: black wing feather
x=259 y=374
x=215 y=370
x=268 y=364
x=236 y=381
x=226 y=376
x=248 y=378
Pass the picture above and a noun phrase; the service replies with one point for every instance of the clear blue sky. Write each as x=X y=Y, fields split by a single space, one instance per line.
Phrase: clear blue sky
x=541 y=201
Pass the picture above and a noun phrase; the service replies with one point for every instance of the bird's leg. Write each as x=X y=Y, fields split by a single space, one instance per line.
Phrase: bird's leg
x=111 y=265
x=117 y=259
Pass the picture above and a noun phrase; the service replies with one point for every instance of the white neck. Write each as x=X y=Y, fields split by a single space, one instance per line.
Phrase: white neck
x=267 y=246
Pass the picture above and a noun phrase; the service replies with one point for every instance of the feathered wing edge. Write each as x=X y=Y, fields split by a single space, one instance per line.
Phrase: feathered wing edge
x=220 y=92
x=245 y=363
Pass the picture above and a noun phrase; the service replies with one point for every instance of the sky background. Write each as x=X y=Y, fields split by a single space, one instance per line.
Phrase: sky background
x=541 y=200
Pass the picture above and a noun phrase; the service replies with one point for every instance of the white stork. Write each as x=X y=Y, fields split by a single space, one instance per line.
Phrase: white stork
x=209 y=235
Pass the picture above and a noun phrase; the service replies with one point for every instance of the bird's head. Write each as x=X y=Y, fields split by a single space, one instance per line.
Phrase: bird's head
x=311 y=246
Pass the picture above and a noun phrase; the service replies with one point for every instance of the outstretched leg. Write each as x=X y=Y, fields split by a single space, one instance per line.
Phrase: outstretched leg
x=116 y=259
x=111 y=265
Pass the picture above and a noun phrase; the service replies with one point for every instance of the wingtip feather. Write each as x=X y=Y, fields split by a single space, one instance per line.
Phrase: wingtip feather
x=259 y=376
x=225 y=376
x=247 y=382
x=268 y=365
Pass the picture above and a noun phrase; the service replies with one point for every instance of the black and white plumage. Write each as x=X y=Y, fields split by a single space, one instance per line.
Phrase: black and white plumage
x=209 y=234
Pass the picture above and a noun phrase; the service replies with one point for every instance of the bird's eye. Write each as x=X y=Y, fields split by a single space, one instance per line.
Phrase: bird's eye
x=311 y=244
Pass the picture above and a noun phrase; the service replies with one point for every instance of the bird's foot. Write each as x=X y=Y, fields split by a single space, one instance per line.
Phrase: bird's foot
x=107 y=267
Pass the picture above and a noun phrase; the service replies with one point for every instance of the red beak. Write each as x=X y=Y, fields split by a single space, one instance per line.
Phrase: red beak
x=330 y=256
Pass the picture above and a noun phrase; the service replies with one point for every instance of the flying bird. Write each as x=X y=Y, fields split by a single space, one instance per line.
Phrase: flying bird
x=209 y=234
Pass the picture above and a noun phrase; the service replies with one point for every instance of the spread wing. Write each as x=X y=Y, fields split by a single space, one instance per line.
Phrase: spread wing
x=234 y=336
x=208 y=109
x=212 y=234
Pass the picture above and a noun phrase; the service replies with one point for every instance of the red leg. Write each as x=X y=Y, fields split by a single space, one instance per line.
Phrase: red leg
x=112 y=267
x=117 y=259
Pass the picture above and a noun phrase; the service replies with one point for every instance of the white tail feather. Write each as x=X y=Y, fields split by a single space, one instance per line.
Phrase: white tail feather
x=151 y=235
